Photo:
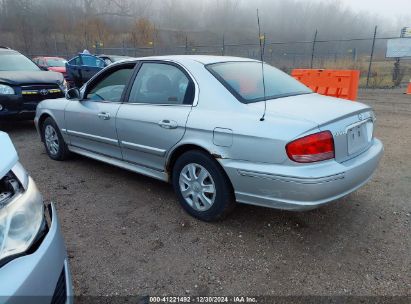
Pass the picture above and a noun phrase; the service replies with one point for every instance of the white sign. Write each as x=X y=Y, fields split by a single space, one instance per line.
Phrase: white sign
x=398 y=47
x=406 y=32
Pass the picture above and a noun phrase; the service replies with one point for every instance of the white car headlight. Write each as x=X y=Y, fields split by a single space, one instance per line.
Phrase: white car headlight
x=21 y=216
x=6 y=90
x=63 y=85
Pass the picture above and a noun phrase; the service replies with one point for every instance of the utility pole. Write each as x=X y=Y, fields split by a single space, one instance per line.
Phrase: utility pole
x=371 y=57
x=396 y=78
x=313 y=50
x=223 y=48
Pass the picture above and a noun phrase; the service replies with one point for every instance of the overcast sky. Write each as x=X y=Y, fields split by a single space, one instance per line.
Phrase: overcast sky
x=384 y=8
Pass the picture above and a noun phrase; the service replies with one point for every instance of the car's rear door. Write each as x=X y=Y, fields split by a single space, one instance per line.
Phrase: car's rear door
x=90 y=65
x=73 y=70
x=91 y=122
x=154 y=118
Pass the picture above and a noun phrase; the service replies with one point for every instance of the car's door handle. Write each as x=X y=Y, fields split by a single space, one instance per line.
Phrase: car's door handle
x=168 y=124
x=103 y=115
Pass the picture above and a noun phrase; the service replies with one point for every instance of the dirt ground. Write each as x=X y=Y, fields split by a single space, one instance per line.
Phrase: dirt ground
x=127 y=235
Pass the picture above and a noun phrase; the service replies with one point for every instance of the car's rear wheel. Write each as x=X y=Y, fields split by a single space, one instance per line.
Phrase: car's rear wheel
x=202 y=187
x=54 y=143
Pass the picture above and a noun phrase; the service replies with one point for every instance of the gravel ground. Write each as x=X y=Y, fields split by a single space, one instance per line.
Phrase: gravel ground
x=126 y=233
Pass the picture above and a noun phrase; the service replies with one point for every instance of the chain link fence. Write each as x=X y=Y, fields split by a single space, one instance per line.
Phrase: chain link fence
x=366 y=54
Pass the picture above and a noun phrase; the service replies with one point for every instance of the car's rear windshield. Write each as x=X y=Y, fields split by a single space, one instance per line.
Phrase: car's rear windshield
x=56 y=62
x=12 y=61
x=244 y=79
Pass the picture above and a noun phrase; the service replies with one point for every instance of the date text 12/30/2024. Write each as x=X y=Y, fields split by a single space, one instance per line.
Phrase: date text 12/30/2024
x=201 y=299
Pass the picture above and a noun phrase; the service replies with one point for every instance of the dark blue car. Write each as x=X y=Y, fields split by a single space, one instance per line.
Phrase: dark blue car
x=84 y=66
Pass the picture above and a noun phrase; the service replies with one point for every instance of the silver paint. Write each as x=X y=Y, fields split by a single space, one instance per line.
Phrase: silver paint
x=143 y=137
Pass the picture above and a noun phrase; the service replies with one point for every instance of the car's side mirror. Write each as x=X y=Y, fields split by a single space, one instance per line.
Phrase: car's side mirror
x=73 y=93
x=43 y=68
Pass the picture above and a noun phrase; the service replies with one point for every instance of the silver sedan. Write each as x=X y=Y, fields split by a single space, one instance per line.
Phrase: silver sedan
x=218 y=130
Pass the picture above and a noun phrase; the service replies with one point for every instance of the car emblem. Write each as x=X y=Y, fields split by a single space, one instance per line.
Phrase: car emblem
x=44 y=92
x=360 y=116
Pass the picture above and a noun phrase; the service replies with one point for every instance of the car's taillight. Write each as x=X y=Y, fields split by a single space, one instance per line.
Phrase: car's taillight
x=311 y=148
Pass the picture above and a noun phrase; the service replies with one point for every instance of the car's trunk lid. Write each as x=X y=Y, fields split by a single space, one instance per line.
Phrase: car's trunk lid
x=314 y=107
x=347 y=120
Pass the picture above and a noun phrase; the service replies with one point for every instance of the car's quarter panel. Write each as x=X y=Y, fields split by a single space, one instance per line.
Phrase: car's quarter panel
x=252 y=139
x=91 y=125
x=248 y=138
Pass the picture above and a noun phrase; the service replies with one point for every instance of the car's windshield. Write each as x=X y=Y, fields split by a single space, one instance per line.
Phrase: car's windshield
x=245 y=81
x=12 y=61
x=56 y=62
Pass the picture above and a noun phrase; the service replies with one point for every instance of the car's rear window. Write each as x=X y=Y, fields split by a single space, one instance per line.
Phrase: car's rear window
x=244 y=79
x=56 y=62
x=13 y=61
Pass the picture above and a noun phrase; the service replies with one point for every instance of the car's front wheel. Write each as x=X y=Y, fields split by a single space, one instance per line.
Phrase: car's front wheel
x=202 y=187
x=54 y=143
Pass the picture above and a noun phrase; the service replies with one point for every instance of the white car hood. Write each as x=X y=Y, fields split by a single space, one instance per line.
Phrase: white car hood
x=8 y=154
x=312 y=107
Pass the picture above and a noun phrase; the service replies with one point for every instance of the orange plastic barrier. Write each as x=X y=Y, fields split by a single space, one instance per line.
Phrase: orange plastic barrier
x=336 y=83
x=408 y=89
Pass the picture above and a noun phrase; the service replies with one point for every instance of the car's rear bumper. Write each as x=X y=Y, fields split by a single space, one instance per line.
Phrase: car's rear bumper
x=301 y=187
x=42 y=276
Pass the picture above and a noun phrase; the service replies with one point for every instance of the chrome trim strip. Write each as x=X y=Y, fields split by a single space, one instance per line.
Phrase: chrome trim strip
x=146 y=149
x=359 y=123
x=161 y=175
x=283 y=178
x=93 y=137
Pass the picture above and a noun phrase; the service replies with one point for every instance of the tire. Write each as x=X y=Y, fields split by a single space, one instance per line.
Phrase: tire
x=54 y=143
x=195 y=194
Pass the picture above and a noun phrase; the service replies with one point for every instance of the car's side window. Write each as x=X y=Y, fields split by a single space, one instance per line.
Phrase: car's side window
x=75 y=61
x=92 y=61
x=111 y=86
x=161 y=83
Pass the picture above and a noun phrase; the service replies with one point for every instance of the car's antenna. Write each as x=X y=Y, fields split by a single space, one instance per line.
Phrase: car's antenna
x=262 y=47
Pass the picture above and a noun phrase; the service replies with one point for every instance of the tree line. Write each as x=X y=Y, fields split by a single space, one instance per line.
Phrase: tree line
x=69 y=26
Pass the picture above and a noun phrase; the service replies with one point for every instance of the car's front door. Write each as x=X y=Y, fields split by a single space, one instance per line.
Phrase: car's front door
x=91 y=122
x=154 y=118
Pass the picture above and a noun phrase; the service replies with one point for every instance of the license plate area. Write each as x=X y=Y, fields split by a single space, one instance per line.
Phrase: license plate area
x=359 y=136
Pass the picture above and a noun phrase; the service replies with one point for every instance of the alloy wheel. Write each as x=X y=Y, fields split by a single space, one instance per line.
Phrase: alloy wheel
x=52 y=140
x=197 y=187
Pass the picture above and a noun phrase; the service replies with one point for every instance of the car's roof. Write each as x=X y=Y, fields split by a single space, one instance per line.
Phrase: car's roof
x=118 y=56
x=50 y=57
x=204 y=59
x=7 y=50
